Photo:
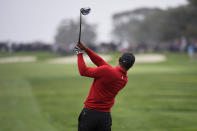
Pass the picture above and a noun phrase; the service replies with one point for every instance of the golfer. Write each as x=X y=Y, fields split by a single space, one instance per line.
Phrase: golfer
x=108 y=81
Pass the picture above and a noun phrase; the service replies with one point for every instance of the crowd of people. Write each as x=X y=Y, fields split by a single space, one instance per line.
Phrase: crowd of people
x=18 y=47
x=175 y=46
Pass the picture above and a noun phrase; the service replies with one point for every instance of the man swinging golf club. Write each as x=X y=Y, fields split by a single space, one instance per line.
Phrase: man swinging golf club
x=108 y=81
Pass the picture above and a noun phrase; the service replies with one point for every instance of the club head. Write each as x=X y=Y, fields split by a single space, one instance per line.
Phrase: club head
x=85 y=11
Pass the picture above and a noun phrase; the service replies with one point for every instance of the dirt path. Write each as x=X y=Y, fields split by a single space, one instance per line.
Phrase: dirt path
x=73 y=59
x=17 y=59
x=150 y=58
x=143 y=58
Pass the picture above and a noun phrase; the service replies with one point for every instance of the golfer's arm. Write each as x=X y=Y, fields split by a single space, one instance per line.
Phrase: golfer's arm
x=96 y=59
x=88 y=71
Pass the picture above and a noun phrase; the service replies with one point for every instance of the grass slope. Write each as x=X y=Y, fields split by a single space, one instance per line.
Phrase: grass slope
x=49 y=97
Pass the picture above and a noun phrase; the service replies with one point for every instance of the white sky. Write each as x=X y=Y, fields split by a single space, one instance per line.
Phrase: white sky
x=32 y=20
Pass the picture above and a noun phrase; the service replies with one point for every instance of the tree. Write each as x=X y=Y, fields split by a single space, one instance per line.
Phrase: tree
x=193 y=2
x=138 y=26
x=157 y=25
x=67 y=33
x=179 y=22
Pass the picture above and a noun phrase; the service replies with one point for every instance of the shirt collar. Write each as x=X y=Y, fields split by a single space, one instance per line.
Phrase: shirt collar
x=121 y=69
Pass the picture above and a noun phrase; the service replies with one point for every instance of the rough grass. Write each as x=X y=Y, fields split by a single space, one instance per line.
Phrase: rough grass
x=40 y=55
x=49 y=97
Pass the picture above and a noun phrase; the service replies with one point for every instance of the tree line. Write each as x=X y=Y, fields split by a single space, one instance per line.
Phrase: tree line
x=154 y=26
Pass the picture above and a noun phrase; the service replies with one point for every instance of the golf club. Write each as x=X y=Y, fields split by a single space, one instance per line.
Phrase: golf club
x=83 y=11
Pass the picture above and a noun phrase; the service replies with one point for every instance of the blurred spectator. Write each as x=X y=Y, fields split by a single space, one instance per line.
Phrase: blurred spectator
x=9 y=46
x=191 y=51
x=183 y=44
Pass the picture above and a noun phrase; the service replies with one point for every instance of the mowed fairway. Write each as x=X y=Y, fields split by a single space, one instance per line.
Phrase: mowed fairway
x=49 y=97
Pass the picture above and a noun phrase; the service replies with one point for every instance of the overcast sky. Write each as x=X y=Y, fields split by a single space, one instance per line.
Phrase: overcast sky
x=32 y=20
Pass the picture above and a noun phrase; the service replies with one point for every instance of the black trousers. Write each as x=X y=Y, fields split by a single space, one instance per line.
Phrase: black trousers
x=91 y=120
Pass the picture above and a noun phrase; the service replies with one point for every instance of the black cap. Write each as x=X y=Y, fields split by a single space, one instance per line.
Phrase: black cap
x=127 y=60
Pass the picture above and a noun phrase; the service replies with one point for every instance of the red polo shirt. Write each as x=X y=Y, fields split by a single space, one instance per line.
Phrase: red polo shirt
x=108 y=81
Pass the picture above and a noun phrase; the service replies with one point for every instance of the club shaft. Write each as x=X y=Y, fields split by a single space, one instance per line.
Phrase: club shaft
x=79 y=40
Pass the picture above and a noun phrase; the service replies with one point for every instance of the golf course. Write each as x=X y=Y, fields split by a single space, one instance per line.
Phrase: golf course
x=42 y=96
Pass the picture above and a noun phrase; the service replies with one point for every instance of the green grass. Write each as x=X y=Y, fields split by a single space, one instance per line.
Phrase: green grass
x=39 y=55
x=49 y=97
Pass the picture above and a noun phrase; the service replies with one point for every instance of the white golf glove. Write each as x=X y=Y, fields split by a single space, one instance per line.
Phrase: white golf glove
x=77 y=50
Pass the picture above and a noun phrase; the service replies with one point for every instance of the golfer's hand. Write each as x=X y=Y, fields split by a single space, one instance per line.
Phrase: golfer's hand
x=77 y=50
x=81 y=46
